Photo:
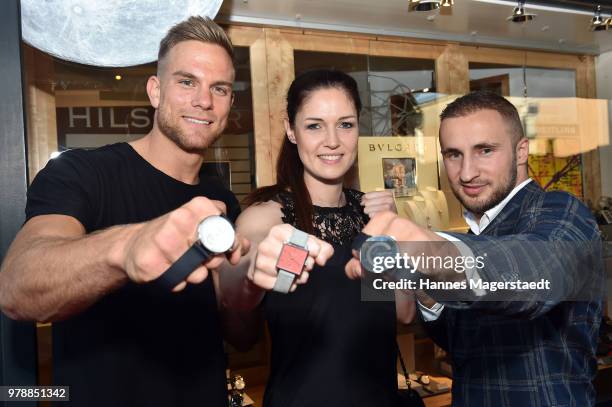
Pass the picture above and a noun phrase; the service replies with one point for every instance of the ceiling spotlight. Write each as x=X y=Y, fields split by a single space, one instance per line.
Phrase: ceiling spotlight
x=519 y=15
x=447 y=3
x=423 y=5
x=598 y=23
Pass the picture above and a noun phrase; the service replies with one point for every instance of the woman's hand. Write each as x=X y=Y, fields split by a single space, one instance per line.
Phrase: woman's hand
x=264 y=273
x=377 y=202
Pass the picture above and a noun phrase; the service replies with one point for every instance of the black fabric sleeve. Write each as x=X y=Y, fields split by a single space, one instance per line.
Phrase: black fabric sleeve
x=436 y=329
x=66 y=186
x=233 y=207
x=216 y=190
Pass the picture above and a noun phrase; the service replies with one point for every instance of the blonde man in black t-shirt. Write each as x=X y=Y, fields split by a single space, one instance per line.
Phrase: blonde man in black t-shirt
x=102 y=224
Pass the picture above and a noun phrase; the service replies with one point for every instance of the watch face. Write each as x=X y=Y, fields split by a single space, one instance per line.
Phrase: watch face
x=376 y=248
x=216 y=234
x=292 y=259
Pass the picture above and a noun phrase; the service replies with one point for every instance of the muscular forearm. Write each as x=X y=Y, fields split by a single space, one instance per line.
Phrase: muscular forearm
x=49 y=278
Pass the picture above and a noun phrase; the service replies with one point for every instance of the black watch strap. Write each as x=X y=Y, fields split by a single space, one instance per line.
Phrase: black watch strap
x=359 y=240
x=180 y=269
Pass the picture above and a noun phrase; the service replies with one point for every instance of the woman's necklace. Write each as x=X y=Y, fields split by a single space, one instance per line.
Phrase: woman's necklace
x=330 y=205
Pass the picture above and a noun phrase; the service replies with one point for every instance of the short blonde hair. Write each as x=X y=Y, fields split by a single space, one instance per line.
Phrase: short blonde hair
x=195 y=28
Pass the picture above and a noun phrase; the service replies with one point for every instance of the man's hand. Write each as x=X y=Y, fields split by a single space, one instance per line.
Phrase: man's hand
x=264 y=272
x=390 y=224
x=153 y=246
x=378 y=202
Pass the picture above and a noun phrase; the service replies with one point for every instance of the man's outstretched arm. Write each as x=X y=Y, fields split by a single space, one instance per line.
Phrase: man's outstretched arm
x=53 y=270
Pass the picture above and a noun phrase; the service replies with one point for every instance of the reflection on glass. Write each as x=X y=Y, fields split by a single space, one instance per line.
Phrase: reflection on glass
x=397 y=87
x=552 y=125
x=391 y=89
x=507 y=80
x=97 y=106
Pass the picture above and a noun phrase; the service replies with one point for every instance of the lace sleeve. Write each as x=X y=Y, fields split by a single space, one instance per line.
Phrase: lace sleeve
x=285 y=199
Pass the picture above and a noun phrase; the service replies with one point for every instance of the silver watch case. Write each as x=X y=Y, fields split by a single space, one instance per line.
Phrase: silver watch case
x=216 y=234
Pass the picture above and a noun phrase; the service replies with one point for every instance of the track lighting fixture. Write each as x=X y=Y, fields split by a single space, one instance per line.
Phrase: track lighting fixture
x=424 y=5
x=598 y=23
x=519 y=15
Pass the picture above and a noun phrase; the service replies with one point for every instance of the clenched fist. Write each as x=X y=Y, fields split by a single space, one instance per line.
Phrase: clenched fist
x=377 y=202
x=153 y=246
x=264 y=273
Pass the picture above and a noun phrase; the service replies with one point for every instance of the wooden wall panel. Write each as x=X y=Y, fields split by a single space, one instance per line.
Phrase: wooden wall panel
x=405 y=50
x=280 y=75
x=591 y=168
x=243 y=36
x=322 y=43
x=452 y=71
x=264 y=169
x=505 y=56
x=550 y=60
x=40 y=107
x=452 y=78
x=340 y=34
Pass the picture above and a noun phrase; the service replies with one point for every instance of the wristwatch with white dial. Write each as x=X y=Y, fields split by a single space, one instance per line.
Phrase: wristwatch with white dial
x=291 y=261
x=216 y=235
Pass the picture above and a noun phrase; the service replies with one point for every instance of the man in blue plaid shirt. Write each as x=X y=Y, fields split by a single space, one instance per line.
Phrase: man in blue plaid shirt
x=511 y=348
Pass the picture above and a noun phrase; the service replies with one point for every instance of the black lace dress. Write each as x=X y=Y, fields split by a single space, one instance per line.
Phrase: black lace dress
x=329 y=348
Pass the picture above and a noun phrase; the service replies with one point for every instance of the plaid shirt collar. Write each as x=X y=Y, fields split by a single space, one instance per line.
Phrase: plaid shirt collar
x=485 y=220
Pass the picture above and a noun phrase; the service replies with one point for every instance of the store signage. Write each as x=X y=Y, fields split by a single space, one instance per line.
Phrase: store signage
x=129 y=120
x=557 y=130
x=392 y=147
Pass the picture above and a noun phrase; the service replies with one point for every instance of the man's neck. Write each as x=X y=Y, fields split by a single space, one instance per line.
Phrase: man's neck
x=163 y=154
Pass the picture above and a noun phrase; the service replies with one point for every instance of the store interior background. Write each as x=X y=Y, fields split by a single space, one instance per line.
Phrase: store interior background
x=418 y=61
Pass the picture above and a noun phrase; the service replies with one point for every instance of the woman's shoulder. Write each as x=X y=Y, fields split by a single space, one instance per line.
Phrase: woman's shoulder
x=262 y=211
x=258 y=219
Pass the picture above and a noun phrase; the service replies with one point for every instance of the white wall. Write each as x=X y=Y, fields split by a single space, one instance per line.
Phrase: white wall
x=604 y=91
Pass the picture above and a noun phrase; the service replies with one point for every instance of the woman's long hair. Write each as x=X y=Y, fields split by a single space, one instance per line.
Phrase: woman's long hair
x=289 y=167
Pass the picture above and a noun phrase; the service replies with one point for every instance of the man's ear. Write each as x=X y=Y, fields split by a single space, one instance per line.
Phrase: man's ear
x=522 y=151
x=289 y=131
x=153 y=90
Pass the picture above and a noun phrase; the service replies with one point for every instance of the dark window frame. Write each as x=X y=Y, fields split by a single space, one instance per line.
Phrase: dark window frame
x=17 y=339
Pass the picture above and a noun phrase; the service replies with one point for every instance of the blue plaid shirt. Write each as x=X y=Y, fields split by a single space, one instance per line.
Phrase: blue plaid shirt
x=526 y=353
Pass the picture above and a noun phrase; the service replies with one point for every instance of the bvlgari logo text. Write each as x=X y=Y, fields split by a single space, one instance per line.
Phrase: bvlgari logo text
x=391 y=147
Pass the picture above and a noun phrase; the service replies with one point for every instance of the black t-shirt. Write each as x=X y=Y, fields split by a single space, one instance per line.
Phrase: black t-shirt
x=137 y=346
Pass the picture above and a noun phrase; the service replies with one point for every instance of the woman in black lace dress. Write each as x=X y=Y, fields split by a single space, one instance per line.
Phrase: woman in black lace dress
x=329 y=348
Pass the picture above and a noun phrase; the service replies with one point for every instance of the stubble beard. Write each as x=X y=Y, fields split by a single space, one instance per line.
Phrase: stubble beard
x=170 y=129
x=498 y=195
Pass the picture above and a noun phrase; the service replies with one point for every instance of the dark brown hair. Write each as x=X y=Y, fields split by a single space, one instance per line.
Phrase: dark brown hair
x=289 y=167
x=483 y=100
x=195 y=28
